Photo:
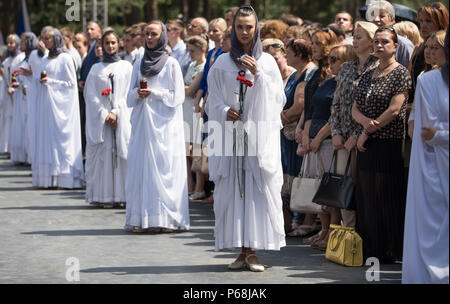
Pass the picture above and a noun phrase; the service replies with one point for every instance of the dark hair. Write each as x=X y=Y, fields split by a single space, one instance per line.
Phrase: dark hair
x=301 y=47
x=337 y=30
x=110 y=32
x=245 y=10
x=389 y=29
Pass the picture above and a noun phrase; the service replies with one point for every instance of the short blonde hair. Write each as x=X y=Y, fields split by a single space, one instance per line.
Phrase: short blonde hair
x=368 y=27
x=345 y=52
x=220 y=23
x=439 y=36
x=409 y=30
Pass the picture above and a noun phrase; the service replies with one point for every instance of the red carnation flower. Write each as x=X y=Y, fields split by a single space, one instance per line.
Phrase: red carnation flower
x=106 y=92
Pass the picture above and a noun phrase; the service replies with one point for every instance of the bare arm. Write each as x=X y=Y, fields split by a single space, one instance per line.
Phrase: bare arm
x=296 y=110
x=392 y=111
x=190 y=90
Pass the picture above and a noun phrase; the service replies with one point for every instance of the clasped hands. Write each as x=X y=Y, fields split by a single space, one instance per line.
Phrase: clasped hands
x=111 y=120
x=144 y=93
x=371 y=126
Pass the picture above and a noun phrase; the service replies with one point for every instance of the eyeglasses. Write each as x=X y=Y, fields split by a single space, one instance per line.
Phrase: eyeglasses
x=332 y=59
x=192 y=25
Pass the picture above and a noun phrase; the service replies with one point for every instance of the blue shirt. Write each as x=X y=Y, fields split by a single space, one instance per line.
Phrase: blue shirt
x=209 y=62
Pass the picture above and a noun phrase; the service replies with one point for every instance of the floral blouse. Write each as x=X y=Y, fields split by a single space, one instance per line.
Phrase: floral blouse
x=341 y=120
x=373 y=97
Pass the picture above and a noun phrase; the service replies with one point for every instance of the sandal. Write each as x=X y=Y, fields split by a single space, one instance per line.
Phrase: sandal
x=312 y=239
x=304 y=230
x=321 y=245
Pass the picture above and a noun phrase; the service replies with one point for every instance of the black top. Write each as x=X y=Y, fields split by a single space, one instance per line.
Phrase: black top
x=320 y=109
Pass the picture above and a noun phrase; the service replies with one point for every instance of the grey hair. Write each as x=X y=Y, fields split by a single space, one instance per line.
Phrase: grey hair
x=378 y=5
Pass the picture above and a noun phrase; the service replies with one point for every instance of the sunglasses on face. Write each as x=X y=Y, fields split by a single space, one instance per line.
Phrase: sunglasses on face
x=332 y=59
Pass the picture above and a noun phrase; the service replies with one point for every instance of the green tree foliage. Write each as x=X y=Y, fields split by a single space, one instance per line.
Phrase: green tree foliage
x=123 y=13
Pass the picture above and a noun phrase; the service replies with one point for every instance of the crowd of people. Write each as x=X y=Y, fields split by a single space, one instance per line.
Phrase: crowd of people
x=230 y=111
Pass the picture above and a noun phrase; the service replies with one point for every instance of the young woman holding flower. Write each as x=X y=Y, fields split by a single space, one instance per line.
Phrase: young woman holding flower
x=247 y=201
x=156 y=184
x=10 y=64
x=108 y=126
x=58 y=161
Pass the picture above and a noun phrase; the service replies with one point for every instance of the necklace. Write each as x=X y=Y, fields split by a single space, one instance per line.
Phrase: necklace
x=380 y=71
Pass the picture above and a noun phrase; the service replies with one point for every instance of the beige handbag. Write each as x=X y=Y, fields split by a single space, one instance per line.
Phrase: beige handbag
x=304 y=188
x=345 y=246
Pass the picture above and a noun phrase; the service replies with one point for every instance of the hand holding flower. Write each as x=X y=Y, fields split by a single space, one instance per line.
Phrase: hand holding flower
x=144 y=93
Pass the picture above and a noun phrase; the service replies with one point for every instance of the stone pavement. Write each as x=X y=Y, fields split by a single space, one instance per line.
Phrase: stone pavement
x=41 y=229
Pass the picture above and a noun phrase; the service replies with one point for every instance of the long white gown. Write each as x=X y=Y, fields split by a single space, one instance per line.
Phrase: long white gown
x=105 y=180
x=3 y=115
x=19 y=131
x=426 y=238
x=32 y=99
x=10 y=65
x=156 y=184
x=58 y=160
x=256 y=221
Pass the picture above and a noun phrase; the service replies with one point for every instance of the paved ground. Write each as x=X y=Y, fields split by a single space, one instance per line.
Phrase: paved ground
x=41 y=229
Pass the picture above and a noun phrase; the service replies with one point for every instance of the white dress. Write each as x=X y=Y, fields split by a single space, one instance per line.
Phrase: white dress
x=105 y=179
x=188 y=104
x=156 y=185
x=257 y=220
x=4 y=100
x=32 y=99
x=426 y=238
x=6 y=105
x=58 y=160
x=19 y=131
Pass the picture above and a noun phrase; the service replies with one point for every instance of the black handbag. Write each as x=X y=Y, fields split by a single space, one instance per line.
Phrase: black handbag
x=336 y=190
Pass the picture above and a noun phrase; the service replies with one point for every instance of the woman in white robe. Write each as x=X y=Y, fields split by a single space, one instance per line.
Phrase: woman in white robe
x=156 y=184
x=426 y=238
x=58 y=161
x=3 y=95
x=250 y=217
x=33 y=72
x=10 y=64
x=20 y=146
x=106 y=160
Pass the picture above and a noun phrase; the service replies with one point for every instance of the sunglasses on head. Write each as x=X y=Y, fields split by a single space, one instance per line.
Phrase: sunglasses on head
x=385 y=27
x=434 y=5
x=275 y=46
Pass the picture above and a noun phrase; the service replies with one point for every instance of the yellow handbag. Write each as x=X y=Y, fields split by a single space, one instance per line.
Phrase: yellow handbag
x=344 y=246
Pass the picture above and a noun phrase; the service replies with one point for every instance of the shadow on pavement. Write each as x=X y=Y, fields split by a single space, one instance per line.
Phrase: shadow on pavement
x=158 y=269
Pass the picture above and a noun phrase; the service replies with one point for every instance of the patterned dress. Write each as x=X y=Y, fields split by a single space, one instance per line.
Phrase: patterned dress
x=380 y=186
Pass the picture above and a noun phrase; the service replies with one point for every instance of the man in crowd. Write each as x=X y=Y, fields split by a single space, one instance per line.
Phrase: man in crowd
x=93 y=32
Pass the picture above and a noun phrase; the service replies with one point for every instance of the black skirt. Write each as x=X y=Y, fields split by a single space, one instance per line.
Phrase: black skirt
x=380 y=196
